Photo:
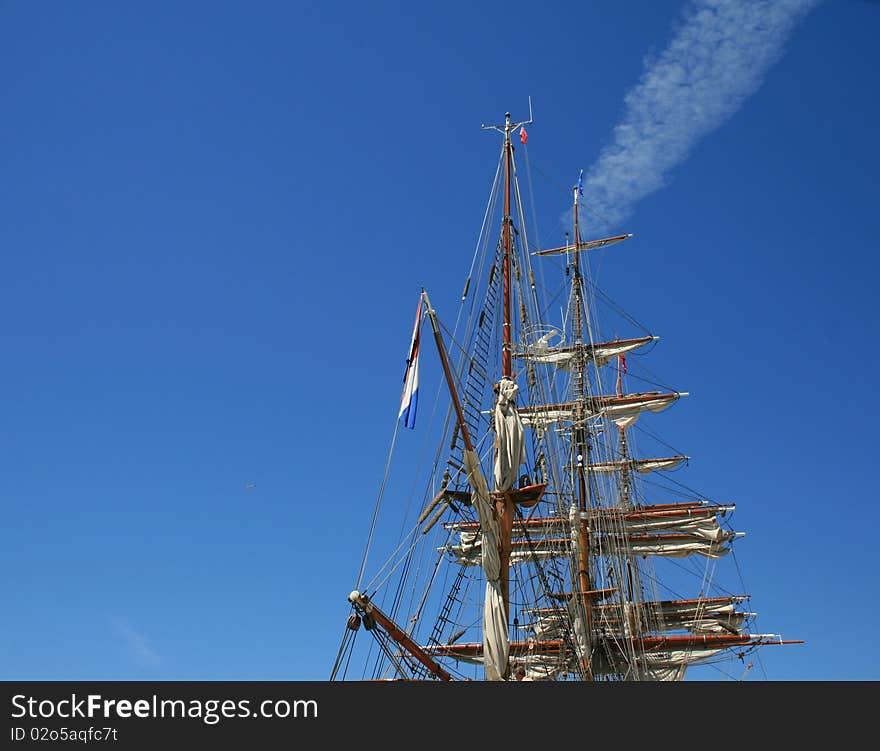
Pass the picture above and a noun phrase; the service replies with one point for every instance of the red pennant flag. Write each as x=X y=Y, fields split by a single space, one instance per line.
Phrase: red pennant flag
x=622 y=359
x=523 y=136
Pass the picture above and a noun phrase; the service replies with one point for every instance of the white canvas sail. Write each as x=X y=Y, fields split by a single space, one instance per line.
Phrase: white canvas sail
x=494 y=612
x=509 y=444
x=622 y=410
x=600 y=354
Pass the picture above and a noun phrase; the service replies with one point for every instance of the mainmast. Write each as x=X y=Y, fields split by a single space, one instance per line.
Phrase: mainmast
x=582 y=449
x=625 y=478
x=621 y=431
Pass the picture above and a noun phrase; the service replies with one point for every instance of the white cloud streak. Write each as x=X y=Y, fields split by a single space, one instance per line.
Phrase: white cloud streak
x=138 y=645
x=718 y=57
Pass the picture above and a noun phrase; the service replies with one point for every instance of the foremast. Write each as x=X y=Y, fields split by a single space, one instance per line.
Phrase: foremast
x=504 y=507
x=509 y=450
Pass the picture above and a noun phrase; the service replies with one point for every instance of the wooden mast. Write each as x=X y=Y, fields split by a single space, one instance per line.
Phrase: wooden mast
x=621 y=431
x=504 y=506
x=625 y=481
x=582 y=448
x=505 y=509
x=506 y=360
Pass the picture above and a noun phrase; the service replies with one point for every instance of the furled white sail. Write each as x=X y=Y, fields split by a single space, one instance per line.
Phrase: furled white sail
x=469 y=550
x=561 y=357
x=495 y=637
x=679 y=610
x=542 y=417
x=671 y=665
x=665 y=665
x=678 y=546
x=668 y=674
x=600 y=354
x=509 y=444
x=708 y=541
x=729 y=623
x=712 y=615
x=622 y=410
x=690 y=518
x=639 y=465
x=555 y=624
x=678 y=657
x=625 y=414
x=583 y=245
x=706 y=526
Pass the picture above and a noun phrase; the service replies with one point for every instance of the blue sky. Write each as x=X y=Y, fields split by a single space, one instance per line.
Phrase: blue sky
x=214 y=222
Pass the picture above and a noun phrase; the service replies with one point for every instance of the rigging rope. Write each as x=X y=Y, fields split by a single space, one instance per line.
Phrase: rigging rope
x=347 y=635
x=615 y=307
x=378 y=503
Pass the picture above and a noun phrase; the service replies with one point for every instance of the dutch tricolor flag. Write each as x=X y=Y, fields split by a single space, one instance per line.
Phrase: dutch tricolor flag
x=410 y=399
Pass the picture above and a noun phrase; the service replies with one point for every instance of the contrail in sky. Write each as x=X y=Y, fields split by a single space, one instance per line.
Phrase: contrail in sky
x=717 y=59
x=137 y=643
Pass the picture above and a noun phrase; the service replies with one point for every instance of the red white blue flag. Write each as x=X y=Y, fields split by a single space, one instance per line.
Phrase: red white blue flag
x=410 y=399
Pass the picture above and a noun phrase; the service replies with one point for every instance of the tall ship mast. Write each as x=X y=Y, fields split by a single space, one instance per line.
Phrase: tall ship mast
x=537 y=549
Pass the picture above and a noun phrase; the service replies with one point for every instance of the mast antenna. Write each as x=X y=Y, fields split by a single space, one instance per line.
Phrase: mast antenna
x=508 y=126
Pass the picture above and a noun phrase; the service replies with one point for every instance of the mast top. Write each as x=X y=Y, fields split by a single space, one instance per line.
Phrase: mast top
x=509 y=126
